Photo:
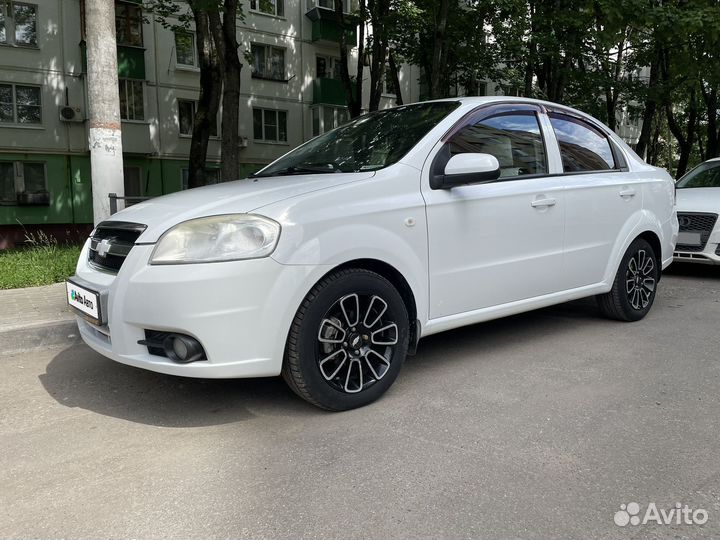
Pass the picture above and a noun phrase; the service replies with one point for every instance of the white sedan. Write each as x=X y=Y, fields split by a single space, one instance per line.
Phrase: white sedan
x=698 y=205
x=331 y=263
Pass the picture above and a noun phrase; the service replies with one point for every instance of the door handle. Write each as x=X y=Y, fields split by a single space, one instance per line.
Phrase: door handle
x=627 y=192
x=541 y=203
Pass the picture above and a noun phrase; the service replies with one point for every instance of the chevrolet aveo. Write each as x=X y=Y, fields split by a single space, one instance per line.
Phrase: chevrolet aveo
x=328 y=265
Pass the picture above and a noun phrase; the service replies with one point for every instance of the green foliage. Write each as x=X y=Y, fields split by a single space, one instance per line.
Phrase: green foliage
x=43 y=262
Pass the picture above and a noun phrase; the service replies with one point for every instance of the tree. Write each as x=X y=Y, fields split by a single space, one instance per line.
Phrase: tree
x=220 y=67
x=351 y=85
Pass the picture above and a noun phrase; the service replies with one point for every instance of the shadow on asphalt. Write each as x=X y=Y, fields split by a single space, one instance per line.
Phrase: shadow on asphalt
x=691 y=270
x=79 y=377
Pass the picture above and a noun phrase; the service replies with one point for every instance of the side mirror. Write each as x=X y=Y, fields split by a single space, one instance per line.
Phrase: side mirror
x=470 y=168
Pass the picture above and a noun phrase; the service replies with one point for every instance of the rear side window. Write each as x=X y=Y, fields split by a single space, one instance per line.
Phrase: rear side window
x=582 y=146
x=513 y=137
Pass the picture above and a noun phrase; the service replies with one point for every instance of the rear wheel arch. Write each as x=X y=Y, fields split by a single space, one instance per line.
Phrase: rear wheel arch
x=654 y=240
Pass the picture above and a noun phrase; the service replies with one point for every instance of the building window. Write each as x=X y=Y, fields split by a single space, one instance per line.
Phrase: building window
x=132 y=182
x=325 y=118
x=23 y=181
x=212 y=176
x=20 y=104
x=185 y=49
x=348 y=5
x=186 y=118
x=128 y=24
x=268 y=62
x=327 y=67
x=132 y=106
x=269 y=125
x=18 y=24
x=269 y=7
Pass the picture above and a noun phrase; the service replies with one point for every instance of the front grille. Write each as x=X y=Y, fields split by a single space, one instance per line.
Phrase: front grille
x=698 y=223
x=111 y=243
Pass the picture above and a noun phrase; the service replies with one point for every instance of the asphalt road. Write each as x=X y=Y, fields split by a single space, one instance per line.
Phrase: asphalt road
x=535 y=426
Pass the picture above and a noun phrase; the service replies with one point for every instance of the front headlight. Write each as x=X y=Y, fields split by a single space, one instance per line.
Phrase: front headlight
x=228 y=237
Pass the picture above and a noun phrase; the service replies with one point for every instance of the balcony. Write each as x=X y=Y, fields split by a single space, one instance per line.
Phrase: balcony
x=327 y=91
x=327 y=28
x=136 y=138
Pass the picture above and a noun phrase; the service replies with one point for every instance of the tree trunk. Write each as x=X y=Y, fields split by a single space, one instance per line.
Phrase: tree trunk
x=710 y=98
x=105 y=139
x=209 y=100
x=650 y=108
x=437 y=82
x=379 y=11
x=685 y=141
x=395 y=74
x=353 y=89
x=226 y=43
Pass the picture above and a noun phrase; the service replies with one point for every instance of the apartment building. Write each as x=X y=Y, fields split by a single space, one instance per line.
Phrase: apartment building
x=290 y=93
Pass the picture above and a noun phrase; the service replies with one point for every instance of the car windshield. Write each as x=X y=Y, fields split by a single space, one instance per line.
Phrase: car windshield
x=704 y=175
x=368 y=143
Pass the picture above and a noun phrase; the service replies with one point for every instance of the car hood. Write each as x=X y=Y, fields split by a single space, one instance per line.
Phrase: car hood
x=698 y=200
x=240 y=196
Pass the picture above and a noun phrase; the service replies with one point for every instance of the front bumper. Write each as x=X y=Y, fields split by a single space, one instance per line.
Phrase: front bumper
x=239 y=311
x=709 y=255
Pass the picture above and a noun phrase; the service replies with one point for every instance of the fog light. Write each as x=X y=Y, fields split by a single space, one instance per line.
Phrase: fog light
x=183 y=349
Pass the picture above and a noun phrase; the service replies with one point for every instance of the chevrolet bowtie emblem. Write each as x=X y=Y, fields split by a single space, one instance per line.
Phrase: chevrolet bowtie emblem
x=103 y=247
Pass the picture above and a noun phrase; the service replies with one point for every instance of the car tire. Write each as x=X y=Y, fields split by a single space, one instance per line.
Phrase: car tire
x=635 y=285
x=348 y=340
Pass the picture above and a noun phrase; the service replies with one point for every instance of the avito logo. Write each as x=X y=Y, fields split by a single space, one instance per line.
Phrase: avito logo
x=629 y=514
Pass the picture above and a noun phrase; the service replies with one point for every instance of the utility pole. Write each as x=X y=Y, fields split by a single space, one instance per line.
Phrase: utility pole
x=105 y=140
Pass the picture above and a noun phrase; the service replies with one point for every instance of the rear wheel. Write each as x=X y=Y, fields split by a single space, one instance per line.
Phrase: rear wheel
x=348 y=340
x=635 y=285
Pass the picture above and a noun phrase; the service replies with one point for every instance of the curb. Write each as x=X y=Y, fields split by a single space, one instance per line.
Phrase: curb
x=39 y=336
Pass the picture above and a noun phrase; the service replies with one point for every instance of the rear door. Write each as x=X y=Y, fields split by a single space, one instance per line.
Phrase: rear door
x=601 y=197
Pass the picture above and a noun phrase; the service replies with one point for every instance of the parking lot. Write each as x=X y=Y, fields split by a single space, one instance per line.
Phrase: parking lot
x=534 y=426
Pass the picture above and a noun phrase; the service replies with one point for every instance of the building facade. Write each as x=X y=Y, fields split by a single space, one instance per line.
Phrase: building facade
x=290 y=93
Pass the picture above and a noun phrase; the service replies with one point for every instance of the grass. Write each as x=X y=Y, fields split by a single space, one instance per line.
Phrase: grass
x=42 y=262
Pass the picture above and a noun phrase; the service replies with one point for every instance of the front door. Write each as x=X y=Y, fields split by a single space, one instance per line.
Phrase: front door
x=499 y=242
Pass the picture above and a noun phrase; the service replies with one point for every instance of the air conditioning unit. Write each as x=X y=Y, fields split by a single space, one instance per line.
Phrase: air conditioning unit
x=71 y=114
x=243 y=142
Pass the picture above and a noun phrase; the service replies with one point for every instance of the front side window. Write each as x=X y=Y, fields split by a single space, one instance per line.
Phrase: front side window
x=186 y=118
x=128 y=24
x=268 y=62
x=21 y=178
x=269 y=125
x=132 y=105
x=704 y=175
x=582 y=146
x=185 y=49
x=20 y=104
x=269 y=7
x=368 y=143
x=513 y=137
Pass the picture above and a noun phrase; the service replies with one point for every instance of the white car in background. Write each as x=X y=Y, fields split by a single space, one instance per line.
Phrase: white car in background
x=331 y=263
x=698 y=205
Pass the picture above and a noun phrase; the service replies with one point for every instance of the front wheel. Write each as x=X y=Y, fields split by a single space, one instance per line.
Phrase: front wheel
x=348 y=340
x=635 y=285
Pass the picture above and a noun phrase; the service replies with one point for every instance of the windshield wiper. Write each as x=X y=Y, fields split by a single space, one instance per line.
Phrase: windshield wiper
x=310 y=168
